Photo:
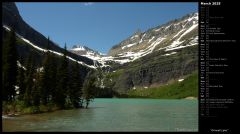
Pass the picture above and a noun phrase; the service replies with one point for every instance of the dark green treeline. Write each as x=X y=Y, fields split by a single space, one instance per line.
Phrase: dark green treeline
x=54 y=85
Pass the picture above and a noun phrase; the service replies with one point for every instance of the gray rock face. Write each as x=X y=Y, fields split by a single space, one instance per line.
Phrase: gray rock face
x=156 y=69
x=170 y=52
x=140 y=41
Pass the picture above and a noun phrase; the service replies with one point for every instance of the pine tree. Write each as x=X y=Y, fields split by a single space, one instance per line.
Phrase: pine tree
x=89 y=88
x=20 y=81
x=53 y=77
x=4 y=91
x=63 y=80
x=45 y=81
x=75 y=90
x=29 y=81
x=36 y=89
x=9 y=67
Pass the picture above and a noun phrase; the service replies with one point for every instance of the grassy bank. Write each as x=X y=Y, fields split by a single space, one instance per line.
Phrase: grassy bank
x=18 y=108
x=176 y=90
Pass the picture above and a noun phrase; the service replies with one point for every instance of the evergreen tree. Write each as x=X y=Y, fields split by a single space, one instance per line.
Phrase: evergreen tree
x=75 y=90
x=63 y=80
x=20 y=81
x=29 y=81
x=89 y=88
x=45 y=78
x=53 y=77
x=9 y=67
x=4 y=90
x=36 y=89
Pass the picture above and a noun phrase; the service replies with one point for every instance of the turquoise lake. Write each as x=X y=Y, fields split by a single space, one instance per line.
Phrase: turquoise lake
x=114 y=115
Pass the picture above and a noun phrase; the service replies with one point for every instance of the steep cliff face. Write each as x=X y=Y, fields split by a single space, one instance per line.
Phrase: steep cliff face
x=177 y=34
x=31 y=42
x=166 y=53
x=11 y=18
x=155 y=69
x=172 y=35
x=146 y=59
x=149 y=59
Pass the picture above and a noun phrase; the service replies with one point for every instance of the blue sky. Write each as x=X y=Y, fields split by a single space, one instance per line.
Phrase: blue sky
x=98 y=25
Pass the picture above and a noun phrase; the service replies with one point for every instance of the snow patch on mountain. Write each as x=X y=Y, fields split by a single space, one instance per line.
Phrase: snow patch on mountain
x=195 y=16
x=131 y=56
x=129 y=45
x=135 y=36
x=44 y=50
x=167 y=27
x=155 y=43
x=191 y=43
x=80 y=48
x=188 y=30
x=151 y=39
x=142 y=38
x=178 y=33
x=157 y=29
x=167 y=54
x=176 y=43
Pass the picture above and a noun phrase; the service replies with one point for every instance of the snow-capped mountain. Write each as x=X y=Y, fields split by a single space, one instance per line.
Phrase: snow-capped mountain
x=176 y=34
x=144 y=59
x=45 y=50
x=89 y=53
x=173 y=35
x=34 y=41
x=84 y=50
x=155 y=57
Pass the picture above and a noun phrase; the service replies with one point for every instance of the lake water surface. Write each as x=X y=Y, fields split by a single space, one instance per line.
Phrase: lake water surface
x=114 y=115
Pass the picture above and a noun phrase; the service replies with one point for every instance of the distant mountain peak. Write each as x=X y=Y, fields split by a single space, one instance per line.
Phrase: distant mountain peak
x=78 y=48
x=152 y=39
x=176 y=34
x=84 y=50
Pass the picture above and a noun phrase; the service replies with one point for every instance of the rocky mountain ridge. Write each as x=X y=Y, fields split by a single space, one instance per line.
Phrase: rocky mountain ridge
x=12 y=19
x=177 y=34
x=155 y=57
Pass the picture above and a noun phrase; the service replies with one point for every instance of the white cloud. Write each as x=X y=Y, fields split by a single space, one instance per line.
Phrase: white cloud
x=88 y=3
